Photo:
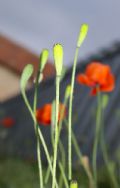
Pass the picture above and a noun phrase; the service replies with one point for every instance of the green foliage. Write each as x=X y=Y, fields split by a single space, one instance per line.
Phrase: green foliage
x=15 y=173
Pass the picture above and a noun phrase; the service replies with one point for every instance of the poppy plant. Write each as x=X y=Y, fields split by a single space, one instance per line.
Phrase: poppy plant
x=43 y=114
x=97 y=76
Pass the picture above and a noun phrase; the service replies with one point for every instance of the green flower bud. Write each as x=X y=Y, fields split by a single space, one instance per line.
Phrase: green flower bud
x=73 y=184
x=82 y=34
x=67 y=91
x=43 y=59
x=26 y=74
x=58 y=58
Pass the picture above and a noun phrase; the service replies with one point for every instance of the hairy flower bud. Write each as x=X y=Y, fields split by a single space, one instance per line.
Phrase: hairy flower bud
x=82 y=34
x=43 y=58
x=73 y=184
x=58 y=58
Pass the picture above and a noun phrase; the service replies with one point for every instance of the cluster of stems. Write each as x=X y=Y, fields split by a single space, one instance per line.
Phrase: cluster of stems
x=52 y=161
x=66 y=177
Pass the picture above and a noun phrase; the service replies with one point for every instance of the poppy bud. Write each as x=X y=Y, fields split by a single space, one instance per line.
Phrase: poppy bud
x=43 y=59
x=82 y=34
x=73 y=184
x=26 y=74
x=67 y=91
x=58 y=58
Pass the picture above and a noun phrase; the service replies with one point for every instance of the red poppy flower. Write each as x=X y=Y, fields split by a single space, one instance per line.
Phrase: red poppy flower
x=98 y=76
x=7 y=122
x=43 y=114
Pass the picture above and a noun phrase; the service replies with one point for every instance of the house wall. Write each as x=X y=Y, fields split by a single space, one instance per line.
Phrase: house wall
x=9 y=83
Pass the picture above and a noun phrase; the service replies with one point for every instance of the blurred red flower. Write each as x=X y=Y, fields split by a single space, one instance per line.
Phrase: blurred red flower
x=7 y=122
x=98 y=76
x=43 y=114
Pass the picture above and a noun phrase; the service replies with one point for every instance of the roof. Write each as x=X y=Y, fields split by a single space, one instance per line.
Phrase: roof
x=13 y=58
x=16 y=57
x=20 y=139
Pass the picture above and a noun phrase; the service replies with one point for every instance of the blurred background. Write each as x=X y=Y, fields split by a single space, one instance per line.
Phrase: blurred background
x=39 y=24
x=26 y=27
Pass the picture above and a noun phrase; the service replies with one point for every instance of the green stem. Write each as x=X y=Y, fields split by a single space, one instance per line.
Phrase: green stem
x=61 y=147
x=97 y=136
x=62 y=114
x=70 y=117
x=80 y=156
x=39 y=163
x=106 y=159
x=40 y=135
x=28 y=106
x=76 y=146
x=52 y=137
x=63 y=175
x=37 y=136
x=47 y=154
x=63 y=161
x=56 y=131
x=48 y=173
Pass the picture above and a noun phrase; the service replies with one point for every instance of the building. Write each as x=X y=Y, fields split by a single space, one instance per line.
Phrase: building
x=13 y=58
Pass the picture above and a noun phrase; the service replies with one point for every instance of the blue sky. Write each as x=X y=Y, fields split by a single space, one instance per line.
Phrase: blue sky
x=38 y=24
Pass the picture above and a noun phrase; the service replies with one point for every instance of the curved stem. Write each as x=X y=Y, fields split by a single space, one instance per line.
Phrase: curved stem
x=47 y=154
x=97 y=136
x=63 y=175
x=56 y=131
x=80 y=156
x=28 y=106
x=70 y=117
x=40 y=135
x=48 y=173
x=37 y=136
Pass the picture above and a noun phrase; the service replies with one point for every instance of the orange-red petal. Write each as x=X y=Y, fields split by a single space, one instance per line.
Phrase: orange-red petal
x=43 y=114
x=110 y=84
x=83 y=79
x=97 y=74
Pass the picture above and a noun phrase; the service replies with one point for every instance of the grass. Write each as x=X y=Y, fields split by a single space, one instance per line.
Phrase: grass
x=15 y=173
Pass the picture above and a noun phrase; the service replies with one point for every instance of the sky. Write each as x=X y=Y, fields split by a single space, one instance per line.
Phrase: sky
x=38 y=24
